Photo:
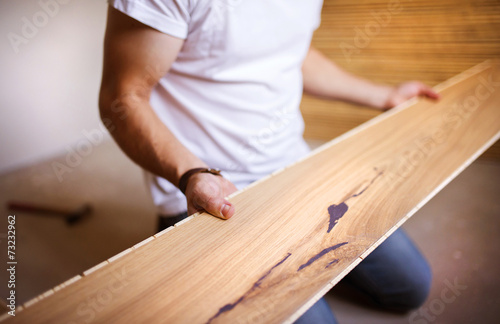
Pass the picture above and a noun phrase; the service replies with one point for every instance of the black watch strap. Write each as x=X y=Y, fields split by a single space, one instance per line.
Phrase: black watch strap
x=183 y=181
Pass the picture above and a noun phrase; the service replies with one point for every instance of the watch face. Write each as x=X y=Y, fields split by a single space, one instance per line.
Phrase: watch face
x=212 y=171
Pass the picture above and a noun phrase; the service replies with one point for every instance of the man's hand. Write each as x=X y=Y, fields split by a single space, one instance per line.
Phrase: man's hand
x=207 y=192
x=323 y=78
x=408 y=90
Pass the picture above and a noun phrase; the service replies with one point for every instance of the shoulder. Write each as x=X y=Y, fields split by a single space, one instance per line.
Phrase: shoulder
x=168 y=16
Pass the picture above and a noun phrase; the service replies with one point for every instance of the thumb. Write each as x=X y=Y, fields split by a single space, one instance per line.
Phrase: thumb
x=227 y=209
x=213 y=205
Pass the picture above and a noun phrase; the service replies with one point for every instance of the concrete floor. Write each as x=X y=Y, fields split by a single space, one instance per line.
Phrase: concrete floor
x=458 y=230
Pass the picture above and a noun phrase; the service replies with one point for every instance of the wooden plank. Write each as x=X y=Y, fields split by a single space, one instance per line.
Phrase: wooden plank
x=296 y=233
x=423 y=40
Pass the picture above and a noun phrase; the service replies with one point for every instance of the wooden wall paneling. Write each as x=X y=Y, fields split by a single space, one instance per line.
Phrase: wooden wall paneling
x=422 y=40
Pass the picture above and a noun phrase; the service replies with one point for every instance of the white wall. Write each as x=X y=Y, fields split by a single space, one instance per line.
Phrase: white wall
x=49 y=81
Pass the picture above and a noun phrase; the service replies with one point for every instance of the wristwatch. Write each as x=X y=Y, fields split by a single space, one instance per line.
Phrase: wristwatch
x=183 y=181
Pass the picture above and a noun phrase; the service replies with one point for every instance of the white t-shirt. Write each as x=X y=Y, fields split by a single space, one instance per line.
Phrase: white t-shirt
x=232 y=96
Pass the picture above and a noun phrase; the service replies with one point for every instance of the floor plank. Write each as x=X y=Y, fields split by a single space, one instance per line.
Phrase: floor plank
x=220 y=271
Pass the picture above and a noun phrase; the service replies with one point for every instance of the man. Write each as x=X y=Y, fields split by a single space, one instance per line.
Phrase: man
x=190 y=85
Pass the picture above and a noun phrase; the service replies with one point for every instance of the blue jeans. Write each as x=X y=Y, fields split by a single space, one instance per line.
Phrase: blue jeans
x=395 y=275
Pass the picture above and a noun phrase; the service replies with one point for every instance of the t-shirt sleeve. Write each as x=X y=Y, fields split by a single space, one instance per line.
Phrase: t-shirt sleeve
x=317 y=21
x=168 y=16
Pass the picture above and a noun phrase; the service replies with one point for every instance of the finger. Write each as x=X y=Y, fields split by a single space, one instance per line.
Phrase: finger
x=429 y=92
x=214 y=205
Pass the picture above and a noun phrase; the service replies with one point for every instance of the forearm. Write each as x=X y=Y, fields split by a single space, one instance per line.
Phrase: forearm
x=144 y=138
x=136 y=57
x=323 y=78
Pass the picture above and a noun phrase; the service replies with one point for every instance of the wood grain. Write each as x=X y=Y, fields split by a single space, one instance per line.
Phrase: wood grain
x=422 y=40
x=296 y=233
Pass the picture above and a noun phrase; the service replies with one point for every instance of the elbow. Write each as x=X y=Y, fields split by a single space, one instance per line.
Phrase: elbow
x=106 y=104
x=117 y=102
x=112 y=108
x=105 y=110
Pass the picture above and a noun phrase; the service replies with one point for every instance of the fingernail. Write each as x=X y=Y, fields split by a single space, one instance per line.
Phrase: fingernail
x=225 y=209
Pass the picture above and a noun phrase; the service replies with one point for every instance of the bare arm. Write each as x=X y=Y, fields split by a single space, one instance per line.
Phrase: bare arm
x=135 y=58
x=324 y=78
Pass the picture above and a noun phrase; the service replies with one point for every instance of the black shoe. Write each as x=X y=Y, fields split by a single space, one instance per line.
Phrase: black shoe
x=167 y=221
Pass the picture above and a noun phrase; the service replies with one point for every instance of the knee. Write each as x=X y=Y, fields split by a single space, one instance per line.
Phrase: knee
x=415 y=294
x=319 y=313
x=411 y=293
